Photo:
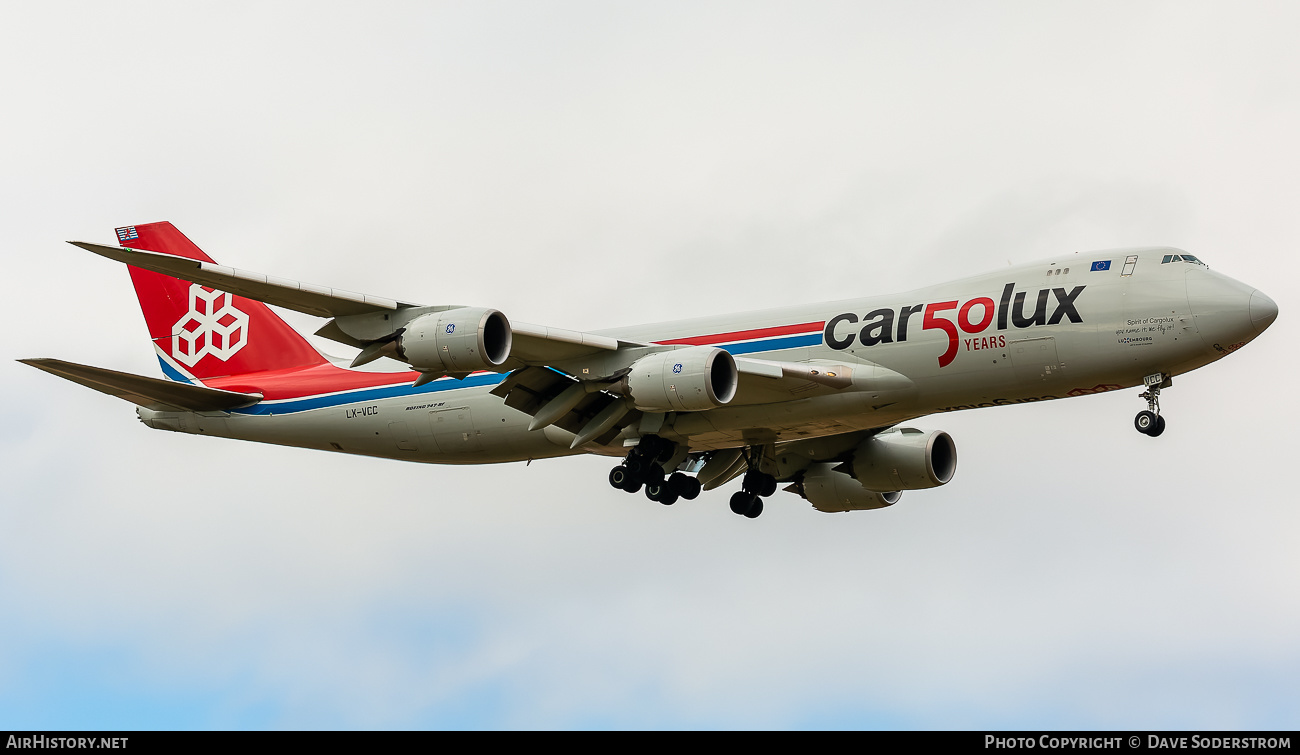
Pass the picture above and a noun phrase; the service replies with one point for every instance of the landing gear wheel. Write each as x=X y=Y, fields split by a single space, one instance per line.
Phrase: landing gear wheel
x=742 y=501
x=755 y=509
x=641 y=467
x=684 y=485
x=1159 y=428
x=759 y=483
x=624 y=479
x=657 y=490
x=661 y=491
x=1146 y=423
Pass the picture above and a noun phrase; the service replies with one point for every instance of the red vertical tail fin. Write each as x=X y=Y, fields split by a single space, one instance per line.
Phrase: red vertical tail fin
x=200 y=332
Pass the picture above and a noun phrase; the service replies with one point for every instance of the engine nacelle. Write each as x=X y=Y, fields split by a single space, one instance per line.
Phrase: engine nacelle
x=683 y=380
x=905 y=459
x=830 y=491
x=457 y=340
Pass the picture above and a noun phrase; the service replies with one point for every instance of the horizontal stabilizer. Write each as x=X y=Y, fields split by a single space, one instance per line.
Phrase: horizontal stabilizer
x=151 y=393
x=282 y=292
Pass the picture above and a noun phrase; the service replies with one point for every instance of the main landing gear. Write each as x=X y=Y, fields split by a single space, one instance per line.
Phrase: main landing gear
x=1149 y=422
x=756 y=486
x=644 y=467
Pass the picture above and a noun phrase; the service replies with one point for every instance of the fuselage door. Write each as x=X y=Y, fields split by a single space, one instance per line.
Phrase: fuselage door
x=454 y=431
x=1035 y=360
x=401 y=436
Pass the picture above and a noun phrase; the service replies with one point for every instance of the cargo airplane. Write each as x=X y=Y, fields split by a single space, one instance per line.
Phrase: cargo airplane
x=814 y=396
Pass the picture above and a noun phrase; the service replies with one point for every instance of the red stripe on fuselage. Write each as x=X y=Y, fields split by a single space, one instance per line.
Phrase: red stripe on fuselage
x=308 y=381
x=747 y=335
x=300 y=382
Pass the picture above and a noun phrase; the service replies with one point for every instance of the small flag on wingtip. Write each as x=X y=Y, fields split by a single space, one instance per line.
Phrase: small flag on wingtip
x=127 y=234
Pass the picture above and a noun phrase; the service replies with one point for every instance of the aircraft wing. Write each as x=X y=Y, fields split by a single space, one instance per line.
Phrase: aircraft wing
x=534 y=344
x=320 y=301
x=151 y=393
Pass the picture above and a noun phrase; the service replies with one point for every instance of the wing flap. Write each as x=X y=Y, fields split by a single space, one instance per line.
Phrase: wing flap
x=151 y=393
x=527 y=390
x=531 y=389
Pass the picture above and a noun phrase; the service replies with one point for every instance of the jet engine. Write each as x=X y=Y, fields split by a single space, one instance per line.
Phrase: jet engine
x=905 y=459
x=831 y=491
x=683 y=380
x=457 y=340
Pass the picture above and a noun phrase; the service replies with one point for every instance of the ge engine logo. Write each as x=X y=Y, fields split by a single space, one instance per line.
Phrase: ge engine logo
x=212 y=326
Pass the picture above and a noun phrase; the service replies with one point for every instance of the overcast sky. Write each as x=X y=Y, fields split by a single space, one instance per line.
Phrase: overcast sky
x=589 y=165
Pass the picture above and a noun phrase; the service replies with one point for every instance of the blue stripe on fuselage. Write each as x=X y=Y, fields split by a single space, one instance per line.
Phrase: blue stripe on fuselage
x=307 y=403
x=773 y=344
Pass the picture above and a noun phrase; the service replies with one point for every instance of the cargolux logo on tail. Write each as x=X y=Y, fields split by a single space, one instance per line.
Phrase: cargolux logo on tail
x=212 y=327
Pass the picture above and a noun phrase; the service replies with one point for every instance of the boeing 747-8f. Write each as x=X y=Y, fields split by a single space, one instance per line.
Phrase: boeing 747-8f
x=814 y=396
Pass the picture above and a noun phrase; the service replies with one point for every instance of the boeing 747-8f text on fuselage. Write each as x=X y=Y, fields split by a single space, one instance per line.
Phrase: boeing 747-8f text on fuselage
x=813 y=396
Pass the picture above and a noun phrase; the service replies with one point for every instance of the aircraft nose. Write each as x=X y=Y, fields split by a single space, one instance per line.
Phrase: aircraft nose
x=1263 y=311
x=1222 y=309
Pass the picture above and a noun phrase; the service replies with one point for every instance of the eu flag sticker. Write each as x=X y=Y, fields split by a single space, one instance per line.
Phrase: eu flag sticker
x=1103 y=265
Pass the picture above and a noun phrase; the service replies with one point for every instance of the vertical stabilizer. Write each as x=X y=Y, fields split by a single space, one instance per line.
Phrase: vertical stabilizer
x=201 y=333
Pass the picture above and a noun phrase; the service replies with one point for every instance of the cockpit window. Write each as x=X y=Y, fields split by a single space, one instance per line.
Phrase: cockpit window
x=1182 y=258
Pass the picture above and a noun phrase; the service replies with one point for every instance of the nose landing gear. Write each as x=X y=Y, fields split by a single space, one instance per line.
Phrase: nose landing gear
x=1149 y=422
